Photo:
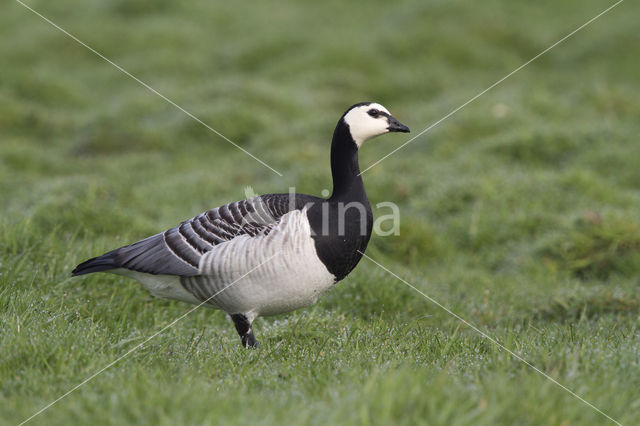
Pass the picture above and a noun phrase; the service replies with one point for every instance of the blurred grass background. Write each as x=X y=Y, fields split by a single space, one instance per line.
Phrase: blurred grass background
x=520 y=212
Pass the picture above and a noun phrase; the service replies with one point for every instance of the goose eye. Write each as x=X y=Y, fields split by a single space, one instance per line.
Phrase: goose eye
x=373 y=112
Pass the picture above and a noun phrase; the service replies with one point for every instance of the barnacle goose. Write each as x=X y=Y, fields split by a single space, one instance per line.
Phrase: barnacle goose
x=267 y=254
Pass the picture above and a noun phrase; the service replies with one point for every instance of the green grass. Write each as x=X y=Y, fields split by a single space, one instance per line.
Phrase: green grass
x=520 y=213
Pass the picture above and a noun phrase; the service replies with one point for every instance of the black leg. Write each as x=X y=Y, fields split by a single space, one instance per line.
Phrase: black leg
x=243 y=326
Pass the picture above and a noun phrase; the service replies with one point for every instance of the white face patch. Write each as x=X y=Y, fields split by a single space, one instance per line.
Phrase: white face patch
x=363 y=126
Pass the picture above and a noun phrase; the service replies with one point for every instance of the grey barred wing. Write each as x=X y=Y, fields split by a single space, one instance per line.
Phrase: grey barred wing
x=178 y=250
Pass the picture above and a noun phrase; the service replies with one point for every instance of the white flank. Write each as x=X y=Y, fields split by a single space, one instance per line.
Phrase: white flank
x=293 y=279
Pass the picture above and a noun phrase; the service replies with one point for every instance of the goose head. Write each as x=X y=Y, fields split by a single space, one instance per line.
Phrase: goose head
x=369 y=119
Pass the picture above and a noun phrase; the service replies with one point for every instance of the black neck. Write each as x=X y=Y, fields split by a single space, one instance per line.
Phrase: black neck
x=347 y=182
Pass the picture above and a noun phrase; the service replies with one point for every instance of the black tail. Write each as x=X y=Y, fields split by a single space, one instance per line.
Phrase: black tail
x=97 y=264
x=151 y=255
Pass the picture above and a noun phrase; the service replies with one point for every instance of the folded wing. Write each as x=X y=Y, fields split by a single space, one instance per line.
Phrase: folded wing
x=178 y=250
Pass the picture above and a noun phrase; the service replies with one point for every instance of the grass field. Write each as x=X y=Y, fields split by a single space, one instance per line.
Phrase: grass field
x=520 y=213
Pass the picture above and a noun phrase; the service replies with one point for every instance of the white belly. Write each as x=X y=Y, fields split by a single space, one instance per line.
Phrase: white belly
x=269 y=289
x=163 y=286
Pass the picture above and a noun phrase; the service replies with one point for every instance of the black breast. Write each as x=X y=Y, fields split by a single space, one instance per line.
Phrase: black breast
x=341 y=231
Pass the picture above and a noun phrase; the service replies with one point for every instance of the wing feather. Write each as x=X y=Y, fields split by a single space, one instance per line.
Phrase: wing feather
x=178 y=250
